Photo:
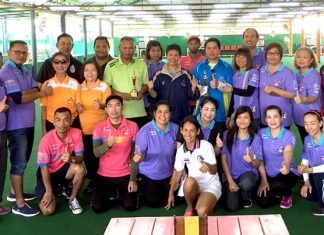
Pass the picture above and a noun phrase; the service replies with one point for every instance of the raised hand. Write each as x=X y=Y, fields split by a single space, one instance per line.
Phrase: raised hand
x=138 y=156
x=219 y=141
x=111 y=140
x=96 y=104
x=213 y=83
x=66 y=155
x=46 y=89
x=248 y=157
x=284 y=168
x=297 y=98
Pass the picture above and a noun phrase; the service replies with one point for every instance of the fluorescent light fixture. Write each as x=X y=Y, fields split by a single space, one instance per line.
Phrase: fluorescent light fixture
x=284 y=4
x=176 y=7
x=313 y=8
x=119 y=8
x=179 y=12
x=36 y=2
x=89 y=13
x=269 y=9
x=228 y=6
x=223 y=11
x=285 y=16
x=218 y=16
x=65 y=8
x=130 y=13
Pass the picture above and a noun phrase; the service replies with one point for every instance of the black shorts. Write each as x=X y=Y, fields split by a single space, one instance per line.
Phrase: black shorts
x=57 y=181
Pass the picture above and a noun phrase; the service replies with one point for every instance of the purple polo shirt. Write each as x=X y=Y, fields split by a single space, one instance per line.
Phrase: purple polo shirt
x=251 y=80
x=273 y=149
x=309 y=84
x=158 y=149
x=2 y=114
x=259 y=59
x=206 y=130
x=312 y=152
x=153 y=68
x=237 y=165
x=284 y=79
x=16 y=80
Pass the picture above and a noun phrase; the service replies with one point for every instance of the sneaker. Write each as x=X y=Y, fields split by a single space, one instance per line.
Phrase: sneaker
x=26 y=210
x=4 y=210
x=188 y=213
x=66 y=192
x=286 y=202
x=319 y=211
x=75 y=206
x=27 y=196
x=247 y=203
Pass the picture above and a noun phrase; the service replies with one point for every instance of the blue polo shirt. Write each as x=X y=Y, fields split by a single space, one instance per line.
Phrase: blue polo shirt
x=237 y=165
x=2 y=114
x=259 y=59
x=284 y=79
x=18 y=80
x=158 y=149
x=175 y=88
x=312 y=152
x=224 y=73
x=309 y=84
x=252 y=101
x=273 y=149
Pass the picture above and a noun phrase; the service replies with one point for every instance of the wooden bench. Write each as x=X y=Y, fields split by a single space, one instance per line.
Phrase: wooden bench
x=211 y=225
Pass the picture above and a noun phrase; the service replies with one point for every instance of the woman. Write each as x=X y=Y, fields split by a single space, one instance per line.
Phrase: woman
x=93 y=96
x=278 y=173
x=155 y=152
x=66 y=93
x=309 y=87
x=312 y=165
x=277 y=84
x=202 y=188
x=245 y=89
x=154 y=63
x=241 y=157
x=174 y=84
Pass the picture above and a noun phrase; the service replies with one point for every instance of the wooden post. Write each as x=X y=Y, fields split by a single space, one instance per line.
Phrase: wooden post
x=318 y=41
x=290 y=38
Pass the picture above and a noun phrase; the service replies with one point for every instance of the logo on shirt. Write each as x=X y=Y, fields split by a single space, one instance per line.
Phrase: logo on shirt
x=276 y=83
x=264 y=136
x=284 y=115
x=186 y=160
x=70 y=100
x=257 y=66
x=316 y=88
x=72 y=68
x=9 y=82
x=54 y=147
x=322 y=157
x=183 y=83
x=126 y=132
x=253 y=108
x=106 y=129
x=200 y=158
x=152 y=133
x=163 y=82
x=280 y=149
x=254 y=78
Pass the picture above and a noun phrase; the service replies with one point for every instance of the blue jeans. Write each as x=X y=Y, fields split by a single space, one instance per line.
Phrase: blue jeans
x=317 y=182
x=3 y=160
x=20 y=147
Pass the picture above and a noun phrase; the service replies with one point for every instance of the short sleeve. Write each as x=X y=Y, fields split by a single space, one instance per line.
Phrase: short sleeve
x=141 y=143
x=106 y=93
x=210 y=154
x=314 y=85
x=97 y=133
x=290 y=81
x=179 y=163
x=43 y=154
x=290 y=140
x=256 y=147
x=78 y=94
x=78 y=142
x=253 y=78
x=145 y=74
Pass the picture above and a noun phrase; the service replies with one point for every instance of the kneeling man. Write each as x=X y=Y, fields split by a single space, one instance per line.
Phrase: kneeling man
x=60 y=161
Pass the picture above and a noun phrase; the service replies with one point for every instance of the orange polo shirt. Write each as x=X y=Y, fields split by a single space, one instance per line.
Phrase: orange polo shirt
x=65 y=94
x=90 y=116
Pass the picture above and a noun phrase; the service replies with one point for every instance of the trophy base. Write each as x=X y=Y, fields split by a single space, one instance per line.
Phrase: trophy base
x=134 y=94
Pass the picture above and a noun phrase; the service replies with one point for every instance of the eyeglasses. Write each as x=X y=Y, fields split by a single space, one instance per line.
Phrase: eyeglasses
x=60 y=61
x=18 y=53
x=273 y=54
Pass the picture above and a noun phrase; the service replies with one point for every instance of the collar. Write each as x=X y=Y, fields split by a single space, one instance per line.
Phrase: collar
x=280 y=135
x=320 y=141
x=281 y=67
x=196 y=146
x=97 y=83
x=165 y=70
x=121 y=62
x=149 y=62
x=257 y=51
x=58 y=140
x=308 y=72
x=13 y=65
x=248 y=137
x=206 y=61
x=122 y=124
x=65 y=80
x=160 y=130
x=210 y=126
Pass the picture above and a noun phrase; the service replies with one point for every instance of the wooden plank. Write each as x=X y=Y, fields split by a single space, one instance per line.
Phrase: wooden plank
x=120 y=226
x=228 y=225
x=179 y=225
x=143 y=226
x=203 y=225
x=250 y=225
x=191 y=225
x=163 y=226
x=273 y=225
x=212 y=225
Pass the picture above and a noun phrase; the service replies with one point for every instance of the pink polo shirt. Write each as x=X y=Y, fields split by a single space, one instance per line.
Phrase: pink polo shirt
x=187 y=63
x=51 y=148
x=116 y=161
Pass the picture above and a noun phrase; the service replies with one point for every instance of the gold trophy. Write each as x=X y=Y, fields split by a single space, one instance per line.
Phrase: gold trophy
x=205 y=87
x=133 y=92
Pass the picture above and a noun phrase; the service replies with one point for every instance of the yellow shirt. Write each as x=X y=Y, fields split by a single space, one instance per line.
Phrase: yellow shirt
x=90 y=116
x=65 y=94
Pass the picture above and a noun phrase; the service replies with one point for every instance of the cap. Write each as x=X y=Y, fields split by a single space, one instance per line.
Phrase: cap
x=193 y=37
x=114 y=97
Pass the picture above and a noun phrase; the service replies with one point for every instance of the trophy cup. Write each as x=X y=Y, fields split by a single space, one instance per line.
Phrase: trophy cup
x=133 y=92
x=205 y=85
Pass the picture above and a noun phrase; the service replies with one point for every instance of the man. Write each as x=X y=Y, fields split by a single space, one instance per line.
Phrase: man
x=251 y=38
x=22 y=90
x=113 y=144
x=64 y=44
x=102 y=57
x=60 y=161
x=128 y=78
x=188 y=62
x=215 y=74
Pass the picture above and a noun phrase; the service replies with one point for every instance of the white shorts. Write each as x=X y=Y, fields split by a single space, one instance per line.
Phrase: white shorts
x=214 y=188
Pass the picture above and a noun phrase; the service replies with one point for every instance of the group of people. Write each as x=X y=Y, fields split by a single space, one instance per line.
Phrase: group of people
x=126 y=124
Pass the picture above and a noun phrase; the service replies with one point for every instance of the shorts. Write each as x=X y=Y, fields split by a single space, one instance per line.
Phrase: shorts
x=214 y=188
x=58 y=180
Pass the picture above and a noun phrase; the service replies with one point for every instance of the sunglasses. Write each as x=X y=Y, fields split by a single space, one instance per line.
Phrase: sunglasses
x=60 y=61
